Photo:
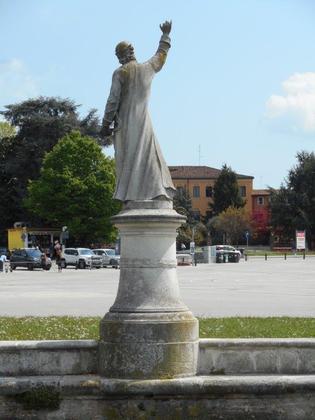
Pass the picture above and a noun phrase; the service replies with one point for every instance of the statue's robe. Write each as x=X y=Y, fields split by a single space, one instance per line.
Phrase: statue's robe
x=141 y=171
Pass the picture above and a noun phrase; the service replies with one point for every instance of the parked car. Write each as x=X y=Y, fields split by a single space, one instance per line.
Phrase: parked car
x=108 y=257
x=80 y=258
x=227 y=253
x=30 y=258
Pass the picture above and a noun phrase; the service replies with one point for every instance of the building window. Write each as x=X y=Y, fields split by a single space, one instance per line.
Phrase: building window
x=180 y=190
x=196 y=191
x=209 y=191
x=196 y=214
x=260 y=201
x=242 y=191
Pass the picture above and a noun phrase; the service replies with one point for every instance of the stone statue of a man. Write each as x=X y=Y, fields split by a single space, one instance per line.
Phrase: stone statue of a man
x=142 y=173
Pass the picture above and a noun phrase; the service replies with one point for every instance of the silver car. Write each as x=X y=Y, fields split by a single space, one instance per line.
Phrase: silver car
x=80 y=258
x=109 y=258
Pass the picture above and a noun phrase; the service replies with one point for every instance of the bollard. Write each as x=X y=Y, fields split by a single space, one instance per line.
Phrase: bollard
x=304 y=255
x=245 y=256
x=285 y=256
x=265 y=257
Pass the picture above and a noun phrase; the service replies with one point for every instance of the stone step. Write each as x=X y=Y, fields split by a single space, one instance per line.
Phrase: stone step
x=215 y=397
x=185 y=387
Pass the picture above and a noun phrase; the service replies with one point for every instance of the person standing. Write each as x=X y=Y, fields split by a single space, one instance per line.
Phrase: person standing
x=3 y=259
x=58 y=253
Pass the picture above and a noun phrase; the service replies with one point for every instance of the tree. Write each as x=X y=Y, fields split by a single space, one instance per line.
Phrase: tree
x=75 y=189
x=6 y=130
x=226 y=191
x=39 y=124
x=182 y=203
x=193 y=229
x=292 y=206
x=232 y=223
x=260 y=228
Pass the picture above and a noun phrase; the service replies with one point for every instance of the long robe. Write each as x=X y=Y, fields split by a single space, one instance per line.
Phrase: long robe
x=141 y=171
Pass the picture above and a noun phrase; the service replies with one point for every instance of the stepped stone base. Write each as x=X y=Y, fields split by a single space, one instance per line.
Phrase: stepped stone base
x=250 y=379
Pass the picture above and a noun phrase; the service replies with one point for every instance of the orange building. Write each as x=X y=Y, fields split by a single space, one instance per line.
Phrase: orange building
x=260 y=203
x=199 y=182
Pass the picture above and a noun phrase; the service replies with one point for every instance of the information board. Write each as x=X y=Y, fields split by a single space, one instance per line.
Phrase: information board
x=300 y=239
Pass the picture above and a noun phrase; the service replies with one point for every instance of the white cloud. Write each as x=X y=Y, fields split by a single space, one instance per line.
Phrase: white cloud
x=16 y=83
x=297 y=105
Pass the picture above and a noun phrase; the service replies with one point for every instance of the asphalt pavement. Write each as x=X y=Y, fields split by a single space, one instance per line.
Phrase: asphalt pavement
x=275 y=287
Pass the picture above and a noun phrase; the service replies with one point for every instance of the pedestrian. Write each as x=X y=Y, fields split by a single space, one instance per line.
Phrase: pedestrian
x=58 y=253
x=3 y=260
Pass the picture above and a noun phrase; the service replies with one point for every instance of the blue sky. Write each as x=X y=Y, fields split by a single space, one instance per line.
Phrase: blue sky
x=238 y=85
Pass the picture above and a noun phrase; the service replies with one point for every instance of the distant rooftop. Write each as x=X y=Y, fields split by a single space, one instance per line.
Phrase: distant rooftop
x=261 y=192
x=199 y=172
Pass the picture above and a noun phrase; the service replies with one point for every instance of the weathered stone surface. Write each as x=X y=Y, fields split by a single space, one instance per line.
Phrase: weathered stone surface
x=55 y=357
x=149 y=332
x=253 y=356
x=216 y=356
x=214 y=397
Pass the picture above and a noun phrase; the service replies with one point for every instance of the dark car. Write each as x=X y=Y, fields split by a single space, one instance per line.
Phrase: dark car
x=30 y=258
x=227 y=253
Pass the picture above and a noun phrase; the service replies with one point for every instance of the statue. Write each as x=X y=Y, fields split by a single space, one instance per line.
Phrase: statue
x=141 y=171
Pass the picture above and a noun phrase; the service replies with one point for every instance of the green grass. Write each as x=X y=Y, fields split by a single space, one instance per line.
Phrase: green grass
x=261 y=253
x=283 y=327
x=71 y=328
x=49 y=328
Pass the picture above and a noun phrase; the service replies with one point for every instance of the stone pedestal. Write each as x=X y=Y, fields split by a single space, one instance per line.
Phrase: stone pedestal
x=148 y=332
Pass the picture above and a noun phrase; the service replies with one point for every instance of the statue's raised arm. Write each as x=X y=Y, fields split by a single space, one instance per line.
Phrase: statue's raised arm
x=159 y=58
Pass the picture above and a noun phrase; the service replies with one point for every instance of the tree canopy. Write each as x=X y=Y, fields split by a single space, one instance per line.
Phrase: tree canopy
x=6 y=130
x=232 y=223
x=293 y=205
x=226 y=191
x=38 y=124
x=75 y=189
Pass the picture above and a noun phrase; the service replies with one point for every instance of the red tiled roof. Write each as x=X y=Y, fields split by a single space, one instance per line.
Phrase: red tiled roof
x=198 y=172
x=260 y=192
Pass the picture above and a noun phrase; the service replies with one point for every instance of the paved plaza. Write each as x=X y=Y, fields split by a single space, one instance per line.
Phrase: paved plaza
x=275 y=287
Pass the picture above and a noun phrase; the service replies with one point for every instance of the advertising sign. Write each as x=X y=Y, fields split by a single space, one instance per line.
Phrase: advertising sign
x=300 y=239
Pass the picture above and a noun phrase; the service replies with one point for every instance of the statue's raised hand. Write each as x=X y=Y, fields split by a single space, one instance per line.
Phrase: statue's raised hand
x=166 y=27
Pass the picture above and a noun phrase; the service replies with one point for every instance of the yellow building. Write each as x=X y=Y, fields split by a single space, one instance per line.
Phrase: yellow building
x=199 y=182
x=25 y=237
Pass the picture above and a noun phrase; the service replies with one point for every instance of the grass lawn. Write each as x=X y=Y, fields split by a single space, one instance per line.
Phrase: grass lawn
x=66 y=328
x=262 y=253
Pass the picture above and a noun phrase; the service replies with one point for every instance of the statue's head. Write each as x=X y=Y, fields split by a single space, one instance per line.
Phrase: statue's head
x=125 y=52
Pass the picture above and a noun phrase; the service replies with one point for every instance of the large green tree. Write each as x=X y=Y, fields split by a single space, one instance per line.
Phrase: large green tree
x=226 y=191
x=39 y=124
x=293 y=205
x=75 y=189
